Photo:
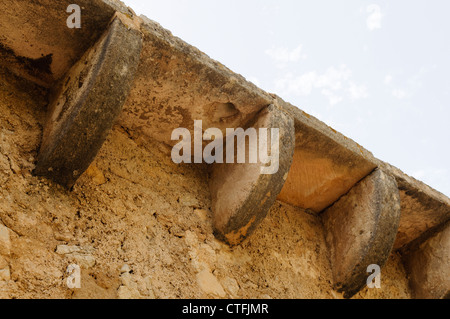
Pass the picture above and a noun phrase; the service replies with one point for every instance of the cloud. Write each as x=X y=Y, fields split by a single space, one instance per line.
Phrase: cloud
x=388 y=79
x=333 y=97
x=375 y=17
x=357 y=91
x=335 y=84
x=408 y=87
x=400 y=94
x=284 y=55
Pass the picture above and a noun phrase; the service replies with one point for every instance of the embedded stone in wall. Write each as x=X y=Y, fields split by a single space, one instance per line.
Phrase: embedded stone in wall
x=361 y=229
x=83 y=256
x=5 y=272
x=5 y=241
x=209 y=284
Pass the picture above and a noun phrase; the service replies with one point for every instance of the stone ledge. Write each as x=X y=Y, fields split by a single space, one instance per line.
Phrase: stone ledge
x=326 y=164
x=423 y=208
x=43 y=48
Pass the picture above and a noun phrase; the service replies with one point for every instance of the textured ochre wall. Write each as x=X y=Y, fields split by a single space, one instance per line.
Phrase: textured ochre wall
x=140 y=226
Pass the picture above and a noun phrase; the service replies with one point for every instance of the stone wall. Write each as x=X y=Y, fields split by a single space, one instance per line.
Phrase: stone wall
x=141 y=227
x=92 y=111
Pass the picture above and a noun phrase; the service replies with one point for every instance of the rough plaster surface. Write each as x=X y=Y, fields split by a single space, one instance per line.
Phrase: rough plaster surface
x=141 y=226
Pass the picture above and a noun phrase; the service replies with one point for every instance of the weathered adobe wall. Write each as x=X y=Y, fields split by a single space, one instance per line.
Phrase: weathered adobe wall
x=135 y=207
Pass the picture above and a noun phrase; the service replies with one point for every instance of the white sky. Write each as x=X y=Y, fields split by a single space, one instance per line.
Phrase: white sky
x=377 y=71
